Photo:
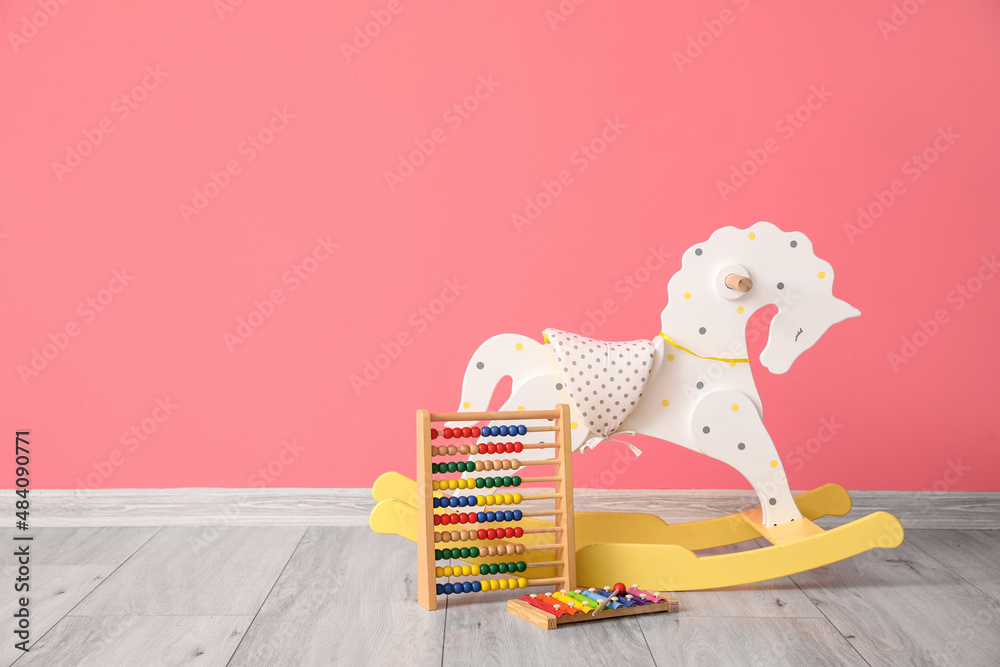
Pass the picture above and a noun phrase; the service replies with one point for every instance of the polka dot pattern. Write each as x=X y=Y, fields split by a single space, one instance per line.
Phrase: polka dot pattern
x=605 y=380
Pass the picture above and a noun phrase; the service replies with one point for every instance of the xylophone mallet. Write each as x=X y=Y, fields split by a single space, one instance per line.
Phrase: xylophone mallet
x=617 y=589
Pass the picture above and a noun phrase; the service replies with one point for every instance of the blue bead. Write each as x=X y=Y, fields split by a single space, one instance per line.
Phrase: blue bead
x=463 y=501
x=481 y=517
x=437 y=502
x=522 y=430
x=508 y=516
x=476 y=586
x=467 y=587
x=440 y=589
x=453 y=502
x=517 y=515
x=448 y=589
x=491 y=516
x=503 y=430
x=494 y=430
x=456 y=588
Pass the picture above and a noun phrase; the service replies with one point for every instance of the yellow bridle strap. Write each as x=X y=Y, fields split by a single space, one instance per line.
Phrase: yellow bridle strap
x=731 y=362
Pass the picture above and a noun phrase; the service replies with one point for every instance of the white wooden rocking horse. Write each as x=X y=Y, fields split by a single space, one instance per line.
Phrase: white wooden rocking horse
x=692 y=386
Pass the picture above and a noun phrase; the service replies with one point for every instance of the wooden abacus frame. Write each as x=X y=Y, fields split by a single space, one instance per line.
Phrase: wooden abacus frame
x=563 y=529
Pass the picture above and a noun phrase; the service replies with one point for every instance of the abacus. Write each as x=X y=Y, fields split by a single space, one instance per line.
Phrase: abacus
x=433 y=545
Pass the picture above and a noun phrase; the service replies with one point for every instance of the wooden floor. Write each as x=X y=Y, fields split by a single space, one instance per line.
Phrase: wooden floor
x=343 y=595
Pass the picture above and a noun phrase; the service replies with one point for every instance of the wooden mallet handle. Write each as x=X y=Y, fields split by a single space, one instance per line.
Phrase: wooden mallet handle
x=738 y=282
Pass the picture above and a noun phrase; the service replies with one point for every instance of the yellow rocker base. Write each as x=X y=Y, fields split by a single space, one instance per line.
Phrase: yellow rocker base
x=644 y=550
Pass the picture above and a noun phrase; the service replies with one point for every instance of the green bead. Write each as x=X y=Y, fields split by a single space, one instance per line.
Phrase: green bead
x=480 y=482
x=494 y=568
x=434 y=468
x=516 y=480
x=437 y=554
x=498 y=482
x=464 y=553
x=474 y=552
x=512 y=567
x=484 y=569
x=460 y=466
x=521 y=566
x=507 y=481
x=489 y=482
x=502 y=567
x=465 y=466
x=452 y=467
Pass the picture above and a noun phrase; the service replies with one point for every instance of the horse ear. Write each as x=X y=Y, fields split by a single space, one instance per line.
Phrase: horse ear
x=844 y=310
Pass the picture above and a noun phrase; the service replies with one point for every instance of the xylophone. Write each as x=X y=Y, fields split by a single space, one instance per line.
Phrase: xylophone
x=550 y=610
x=483 y=531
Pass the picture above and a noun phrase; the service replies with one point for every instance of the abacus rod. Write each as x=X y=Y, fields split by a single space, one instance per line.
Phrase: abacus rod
x=483 y=416
x=542 y=547
x=541 y=496
x=543 y=462
x=541 y=445
x=548 y=563
x=541 y=479
x=546 y=582
x=554 y=529
x=536 y=429
x=540 y=513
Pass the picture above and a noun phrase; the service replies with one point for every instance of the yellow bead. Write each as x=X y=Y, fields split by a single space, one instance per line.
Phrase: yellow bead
x=522 y=582
x=447 y=570
x=517 y=498
x=466 y=570
x=481 y=500
x=439 y=572
x=503 y=584
x=484 y=584
x=507 y=499
x=452 y=484
x=494 y=585
x=491 y=500
x=435 y=485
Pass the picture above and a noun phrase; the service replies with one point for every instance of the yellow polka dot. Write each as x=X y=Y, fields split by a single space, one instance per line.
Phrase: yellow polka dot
x=466 y=405
x=774 y=464
x=751 y=236
x=822 y=274
x=732 y=363
x=573 y=426
x=520 y=408
x=670 y=357
x=666 y=402
x=687 y=295
x=739 y=309
x=736 y=408
x=519 y=346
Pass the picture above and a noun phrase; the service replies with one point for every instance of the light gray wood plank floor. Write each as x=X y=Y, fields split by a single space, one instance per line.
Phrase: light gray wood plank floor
x=342 y=595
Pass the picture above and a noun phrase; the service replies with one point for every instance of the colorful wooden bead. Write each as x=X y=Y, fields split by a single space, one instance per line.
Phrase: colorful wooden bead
x=516 y=481
x=446 y=433
x=518 y=447
x=503 y=430
x=434 y=433
x=464 y=449
x=475 y=431
x=514 y=464
x=519 y=548
x=480 y=466
x=517 y=498
x=466 y=432
x=452 y=450
x=518 y=532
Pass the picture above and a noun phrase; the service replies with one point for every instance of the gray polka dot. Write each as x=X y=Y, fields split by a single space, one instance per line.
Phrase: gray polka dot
x=697 y=251
x=705 y=430
x=700 y=385
x=702 y=330
x=793 y=243
x=741 y=446
x=781 y=285
x=480 y=365
x=558 y=386
x=772 y=501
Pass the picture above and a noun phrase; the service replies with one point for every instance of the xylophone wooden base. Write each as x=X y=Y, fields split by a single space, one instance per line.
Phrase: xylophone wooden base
x=547 y=621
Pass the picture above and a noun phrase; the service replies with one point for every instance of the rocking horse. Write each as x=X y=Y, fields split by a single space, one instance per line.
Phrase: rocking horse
x=690 y=385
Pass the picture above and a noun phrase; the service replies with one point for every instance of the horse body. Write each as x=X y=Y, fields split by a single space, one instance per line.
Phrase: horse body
x=700 y=393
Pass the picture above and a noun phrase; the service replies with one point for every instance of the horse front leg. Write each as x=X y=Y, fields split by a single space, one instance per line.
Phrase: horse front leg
x=727 y=427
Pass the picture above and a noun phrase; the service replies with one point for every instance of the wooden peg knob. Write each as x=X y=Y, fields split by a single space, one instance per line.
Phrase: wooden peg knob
x=739 y=283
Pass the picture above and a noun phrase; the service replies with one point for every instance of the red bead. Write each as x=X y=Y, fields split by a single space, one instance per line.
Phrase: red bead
x=434 y=433
x=491 y=534
x=509 y=448
x=437 y=519
x=482 y=448
x=446 y=433
x=463 y=518
x=482 y=533
x=509 y=532
x=449 y=518
x=518 y=532
x=518 y=447
x=466 y=432
x=473 y=517
x=475 y=431
x=491 y=448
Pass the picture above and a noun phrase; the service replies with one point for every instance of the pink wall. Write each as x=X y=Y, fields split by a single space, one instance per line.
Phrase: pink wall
x=137 y=299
